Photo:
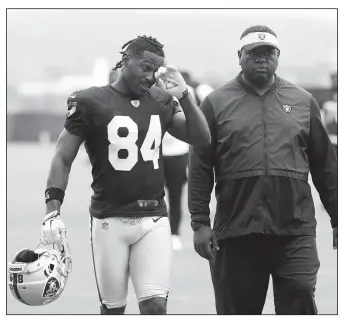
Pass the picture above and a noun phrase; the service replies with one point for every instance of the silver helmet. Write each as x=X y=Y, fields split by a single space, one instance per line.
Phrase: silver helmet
x=38 y=277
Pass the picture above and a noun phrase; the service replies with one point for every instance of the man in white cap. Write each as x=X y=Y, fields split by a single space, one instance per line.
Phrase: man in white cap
x=267 y=135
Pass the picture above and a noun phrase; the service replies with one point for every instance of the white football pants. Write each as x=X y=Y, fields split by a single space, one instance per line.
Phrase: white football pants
x=129 y=246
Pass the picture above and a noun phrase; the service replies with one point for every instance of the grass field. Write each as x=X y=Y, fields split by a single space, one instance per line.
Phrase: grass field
x=191 y=289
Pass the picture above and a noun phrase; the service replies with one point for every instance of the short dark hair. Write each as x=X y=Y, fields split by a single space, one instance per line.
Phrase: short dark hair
x=137 y=46
x=257 y=28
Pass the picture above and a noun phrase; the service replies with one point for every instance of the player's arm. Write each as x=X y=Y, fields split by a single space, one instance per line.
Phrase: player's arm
x=323 y=163
x=200 y=186
x=190 y=125
x=66 y=151
x=53 y=229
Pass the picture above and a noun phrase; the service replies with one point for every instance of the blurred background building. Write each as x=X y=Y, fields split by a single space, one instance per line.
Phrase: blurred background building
x=51 y=53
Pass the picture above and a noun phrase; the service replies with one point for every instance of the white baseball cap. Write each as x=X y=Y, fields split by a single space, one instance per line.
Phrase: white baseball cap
x=259 y=36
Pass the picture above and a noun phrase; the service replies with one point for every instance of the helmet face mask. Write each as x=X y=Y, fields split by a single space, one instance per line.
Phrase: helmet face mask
x=38 y=277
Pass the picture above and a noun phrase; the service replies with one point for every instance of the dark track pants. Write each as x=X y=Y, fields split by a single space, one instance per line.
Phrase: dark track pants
x=243 y=266
x=175 y=172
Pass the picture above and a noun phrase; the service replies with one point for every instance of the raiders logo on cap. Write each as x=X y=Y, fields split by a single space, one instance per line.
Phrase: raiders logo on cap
x=262 y=36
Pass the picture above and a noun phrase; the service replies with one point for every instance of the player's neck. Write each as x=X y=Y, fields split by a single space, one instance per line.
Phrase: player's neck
x=121 y=86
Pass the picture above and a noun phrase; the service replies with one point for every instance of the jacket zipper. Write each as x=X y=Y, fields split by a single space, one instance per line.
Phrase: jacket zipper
x=264 y=127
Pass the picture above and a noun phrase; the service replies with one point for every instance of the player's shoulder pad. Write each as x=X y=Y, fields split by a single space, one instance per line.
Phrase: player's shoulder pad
x=86 y=95
x=83 y=100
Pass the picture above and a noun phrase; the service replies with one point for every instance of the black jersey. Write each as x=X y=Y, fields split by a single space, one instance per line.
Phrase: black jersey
x=122 y=138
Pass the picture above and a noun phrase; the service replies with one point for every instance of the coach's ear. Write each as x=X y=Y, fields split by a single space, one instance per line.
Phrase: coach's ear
x=239 y=54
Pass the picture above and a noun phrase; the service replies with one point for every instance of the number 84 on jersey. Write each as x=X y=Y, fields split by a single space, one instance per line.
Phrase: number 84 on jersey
x=149 y=149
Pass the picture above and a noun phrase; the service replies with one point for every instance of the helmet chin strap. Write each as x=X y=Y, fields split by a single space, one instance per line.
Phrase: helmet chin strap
x=37 y=247
x=59 y=248
x=67 y=266
x=66 y=259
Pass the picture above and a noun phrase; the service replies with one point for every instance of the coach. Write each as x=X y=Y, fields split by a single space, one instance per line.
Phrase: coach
x=267 y=136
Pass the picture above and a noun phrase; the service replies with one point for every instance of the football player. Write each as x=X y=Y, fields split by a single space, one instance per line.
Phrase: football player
x=122 y=125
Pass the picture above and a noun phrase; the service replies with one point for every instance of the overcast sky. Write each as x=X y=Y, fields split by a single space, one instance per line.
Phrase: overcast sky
x=205 y=42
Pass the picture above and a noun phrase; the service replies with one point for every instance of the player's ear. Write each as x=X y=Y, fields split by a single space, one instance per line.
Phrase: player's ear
x=125 y=62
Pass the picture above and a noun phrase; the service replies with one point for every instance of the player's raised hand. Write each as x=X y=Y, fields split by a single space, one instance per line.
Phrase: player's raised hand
x=170 y=79
x=335 y=238
x=53 y=231
x=205 y=243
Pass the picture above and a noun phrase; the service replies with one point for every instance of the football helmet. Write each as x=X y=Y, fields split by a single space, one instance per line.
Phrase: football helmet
x=38 y=277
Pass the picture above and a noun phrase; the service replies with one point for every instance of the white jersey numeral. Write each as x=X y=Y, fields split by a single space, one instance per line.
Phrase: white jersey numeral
x=153 y=137
x=123 y=143
x=149 y=149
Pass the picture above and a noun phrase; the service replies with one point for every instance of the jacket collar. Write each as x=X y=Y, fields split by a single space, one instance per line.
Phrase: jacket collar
x=249 y=89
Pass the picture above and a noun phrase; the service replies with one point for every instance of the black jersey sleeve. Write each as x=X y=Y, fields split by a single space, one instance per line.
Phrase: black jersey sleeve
x=76 y=116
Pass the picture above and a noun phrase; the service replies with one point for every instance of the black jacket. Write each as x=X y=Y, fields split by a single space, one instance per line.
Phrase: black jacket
x=262 y=150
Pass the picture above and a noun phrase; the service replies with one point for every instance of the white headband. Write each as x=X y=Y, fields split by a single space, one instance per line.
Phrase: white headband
x=260 y=38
